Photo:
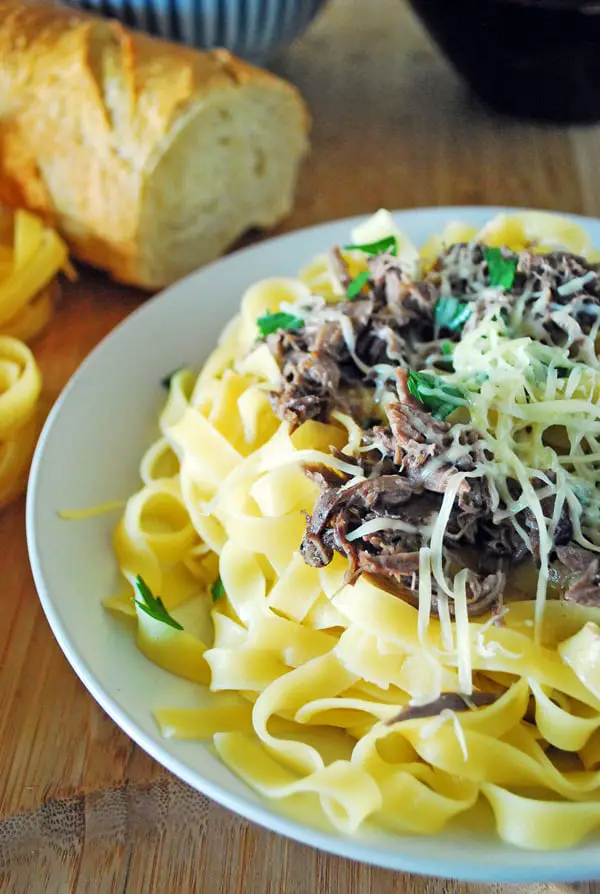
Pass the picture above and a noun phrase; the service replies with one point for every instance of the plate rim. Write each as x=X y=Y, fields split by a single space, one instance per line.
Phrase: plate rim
x=554 y=866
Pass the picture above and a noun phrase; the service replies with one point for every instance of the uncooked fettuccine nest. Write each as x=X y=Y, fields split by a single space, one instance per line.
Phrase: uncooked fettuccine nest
x=31 y=255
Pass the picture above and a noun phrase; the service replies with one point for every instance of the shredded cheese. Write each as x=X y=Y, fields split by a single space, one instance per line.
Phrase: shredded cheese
x=575 y=285
x=445 y=623
x=383 y=524
x=424 y=593
x=430 y=729
x=439 y=529
x=354 y=432
x=91 y=512
x=491 y=650
x=315 y=456
x=350 y=339
x=517 y=391
x=463 y=642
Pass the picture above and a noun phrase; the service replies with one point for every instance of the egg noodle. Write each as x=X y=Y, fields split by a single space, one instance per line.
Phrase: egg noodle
x=309 y=673
x=31 y=255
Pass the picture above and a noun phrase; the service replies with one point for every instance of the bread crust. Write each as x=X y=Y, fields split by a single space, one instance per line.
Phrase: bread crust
x=86 y=108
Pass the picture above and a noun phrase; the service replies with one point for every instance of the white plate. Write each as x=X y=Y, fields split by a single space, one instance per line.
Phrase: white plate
x=89 y=453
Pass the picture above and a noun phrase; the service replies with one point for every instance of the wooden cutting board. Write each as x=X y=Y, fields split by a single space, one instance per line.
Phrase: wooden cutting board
x=81 y=808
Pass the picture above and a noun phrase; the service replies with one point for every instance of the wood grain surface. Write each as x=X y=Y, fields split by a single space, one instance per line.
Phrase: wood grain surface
x=81 y=808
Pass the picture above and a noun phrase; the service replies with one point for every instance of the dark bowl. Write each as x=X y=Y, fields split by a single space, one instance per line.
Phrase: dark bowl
x=532 y=58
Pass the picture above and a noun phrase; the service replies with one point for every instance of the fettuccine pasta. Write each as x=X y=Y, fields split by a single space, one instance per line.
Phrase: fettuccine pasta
x=358 y=652
x=31 y=255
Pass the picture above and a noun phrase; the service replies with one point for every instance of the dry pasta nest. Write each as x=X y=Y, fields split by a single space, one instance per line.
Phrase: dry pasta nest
x=32 y=255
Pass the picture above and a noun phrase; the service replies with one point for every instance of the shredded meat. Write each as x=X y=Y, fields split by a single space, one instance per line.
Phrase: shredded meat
x=408 y=495
x=584 y=586
x=308 y=388
x=388 y=326
x=399 y=568
x=424 y=449
x=575 y=558
x=564 y=528
x=485 y=594
x=408 y=301
x=448 y=701
x=393 y=320
x=448 y=272
x=412 y=463
x=339 y=267
x=550 y=315
x=356 y=355
x=586 y=590
x=339 y=509
x=554 y=269
x=499 y=539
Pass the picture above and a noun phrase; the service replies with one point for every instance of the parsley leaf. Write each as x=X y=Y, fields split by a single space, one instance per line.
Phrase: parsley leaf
x=273 y=322
x=447 y=348
x=451 y=313
x=357 y=283
x=501 y=270
x=153 y=605
x=388 y=243
x=436 y=394
x=217 y=590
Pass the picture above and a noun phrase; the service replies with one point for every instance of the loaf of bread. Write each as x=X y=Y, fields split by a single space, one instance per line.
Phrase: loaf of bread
x=149 y=158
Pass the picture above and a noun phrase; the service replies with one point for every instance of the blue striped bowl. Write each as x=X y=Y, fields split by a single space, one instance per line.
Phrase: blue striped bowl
x=252 y=29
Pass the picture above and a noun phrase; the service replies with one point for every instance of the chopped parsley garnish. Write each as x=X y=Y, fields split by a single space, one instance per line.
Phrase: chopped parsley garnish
x=270 y=323
x=357 y=283
x=451 y=313
x=153 y=605
x=388 y=243
x=167 y=381
x=447 y=348
x=217 y=590
x=436 y=394
x=501 y=270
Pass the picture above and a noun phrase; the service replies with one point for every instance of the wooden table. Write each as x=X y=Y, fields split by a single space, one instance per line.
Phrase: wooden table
x=81 y=807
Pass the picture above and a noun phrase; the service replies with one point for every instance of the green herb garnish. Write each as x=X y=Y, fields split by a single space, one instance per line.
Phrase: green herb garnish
x=436 y=394
x=388 y=243
x=501 y=270
x=270 y=323
x=168 y=380
x=357 y=283
x=447 y=348
x=451 y=313
x=153 y=605
x=217 y=590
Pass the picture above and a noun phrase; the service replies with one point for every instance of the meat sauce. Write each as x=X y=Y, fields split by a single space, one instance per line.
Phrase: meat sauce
x=410 y=457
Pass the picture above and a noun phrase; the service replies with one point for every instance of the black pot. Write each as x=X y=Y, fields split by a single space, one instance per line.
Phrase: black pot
x=532 y=58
